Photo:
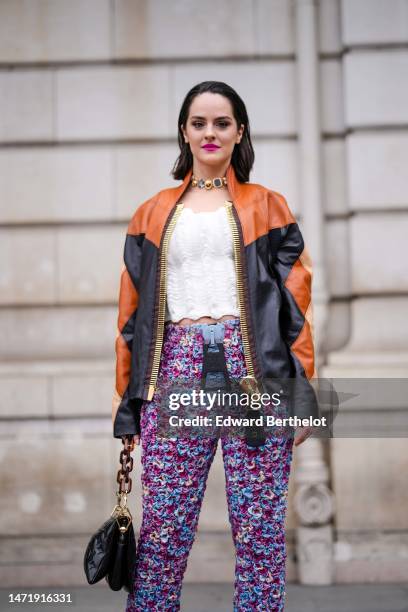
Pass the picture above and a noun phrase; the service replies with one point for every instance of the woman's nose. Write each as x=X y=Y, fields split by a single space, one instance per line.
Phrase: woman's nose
x=209 y=131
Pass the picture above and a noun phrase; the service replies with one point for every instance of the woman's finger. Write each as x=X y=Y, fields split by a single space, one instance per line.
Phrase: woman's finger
x=304 y=432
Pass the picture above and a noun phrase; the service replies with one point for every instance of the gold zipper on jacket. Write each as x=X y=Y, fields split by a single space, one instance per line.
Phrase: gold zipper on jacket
x=162 y=301
x=249 y=382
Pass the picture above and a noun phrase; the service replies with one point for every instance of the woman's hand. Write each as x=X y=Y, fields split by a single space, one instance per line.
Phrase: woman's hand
x=136 y=439
x=301 y=434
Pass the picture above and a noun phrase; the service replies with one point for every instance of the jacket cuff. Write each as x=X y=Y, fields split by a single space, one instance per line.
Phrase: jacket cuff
x=127 y=419
x=303 y=401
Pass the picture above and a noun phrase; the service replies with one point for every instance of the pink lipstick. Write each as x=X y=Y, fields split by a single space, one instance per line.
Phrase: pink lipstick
x=211 y=147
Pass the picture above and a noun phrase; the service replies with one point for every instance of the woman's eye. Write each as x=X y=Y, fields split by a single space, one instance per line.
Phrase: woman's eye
x=221 y=124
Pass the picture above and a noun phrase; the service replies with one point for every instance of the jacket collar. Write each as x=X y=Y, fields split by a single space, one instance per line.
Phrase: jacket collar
x=235 y=187
x=169 y=197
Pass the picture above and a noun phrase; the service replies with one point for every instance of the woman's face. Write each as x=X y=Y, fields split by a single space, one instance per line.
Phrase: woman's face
x=211 y=122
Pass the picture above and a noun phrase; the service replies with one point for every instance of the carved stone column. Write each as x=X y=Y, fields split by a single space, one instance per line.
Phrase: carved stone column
x=314 y=502
x=314 y=505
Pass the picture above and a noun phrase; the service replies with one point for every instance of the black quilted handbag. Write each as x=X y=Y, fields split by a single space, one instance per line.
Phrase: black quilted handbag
x=111 y=551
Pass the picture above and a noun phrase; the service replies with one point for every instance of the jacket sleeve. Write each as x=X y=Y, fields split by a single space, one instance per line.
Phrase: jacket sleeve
x=292 y=267
x=126 y=412
x=293 y=270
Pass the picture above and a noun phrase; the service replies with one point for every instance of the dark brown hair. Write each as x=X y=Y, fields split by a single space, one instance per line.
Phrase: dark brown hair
x=243 y=155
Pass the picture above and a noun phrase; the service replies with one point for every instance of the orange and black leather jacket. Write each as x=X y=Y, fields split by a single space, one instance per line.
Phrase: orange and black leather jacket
x=274 y=280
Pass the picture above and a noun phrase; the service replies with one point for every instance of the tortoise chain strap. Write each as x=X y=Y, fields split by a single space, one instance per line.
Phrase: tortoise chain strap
x=121 y=510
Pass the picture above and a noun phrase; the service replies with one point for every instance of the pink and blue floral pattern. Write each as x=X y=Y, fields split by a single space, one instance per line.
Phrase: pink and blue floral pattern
x=174 y=477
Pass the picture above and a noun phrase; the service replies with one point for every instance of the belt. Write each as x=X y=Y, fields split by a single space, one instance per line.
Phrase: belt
x=214 y=373
x=215 y=376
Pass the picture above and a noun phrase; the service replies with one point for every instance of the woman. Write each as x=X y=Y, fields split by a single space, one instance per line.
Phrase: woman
x=215 y=272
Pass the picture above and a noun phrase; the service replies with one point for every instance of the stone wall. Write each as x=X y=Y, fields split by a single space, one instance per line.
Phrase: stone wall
x=371 y=528
x=90 y=92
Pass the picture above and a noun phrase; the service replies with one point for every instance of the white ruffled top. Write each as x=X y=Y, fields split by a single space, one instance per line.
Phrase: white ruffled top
x=201 y=278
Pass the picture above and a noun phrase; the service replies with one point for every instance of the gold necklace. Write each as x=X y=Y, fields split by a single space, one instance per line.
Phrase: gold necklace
x=208 y=183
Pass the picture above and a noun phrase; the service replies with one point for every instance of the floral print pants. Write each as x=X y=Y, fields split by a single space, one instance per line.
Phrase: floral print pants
x=174 y=476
